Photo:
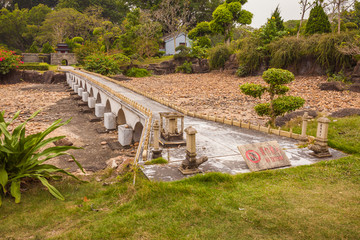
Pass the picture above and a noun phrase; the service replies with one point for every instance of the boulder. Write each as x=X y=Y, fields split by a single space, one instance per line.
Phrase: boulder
x=355 y=87
x=332 y=86
x=58 y=78
x=232 y=63
x=48 y=76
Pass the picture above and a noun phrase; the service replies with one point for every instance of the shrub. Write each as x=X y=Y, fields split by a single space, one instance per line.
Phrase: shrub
x=285 y=51
x=338 y=77
x=8 y=61
x=183 y=52
x=159 y=54
x=250 y=54
x=47 y=48
x=105 y=64
x=185 y=67
x=275 y=78
x=24 y=157
x=318 y=21
x=34 y=48
x=137 y=72
x=218 y=56
x=242 y=71
x=34 y=66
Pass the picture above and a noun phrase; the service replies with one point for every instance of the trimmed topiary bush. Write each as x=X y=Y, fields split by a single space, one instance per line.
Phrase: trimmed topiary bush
x=34 y=66
x=275 y=78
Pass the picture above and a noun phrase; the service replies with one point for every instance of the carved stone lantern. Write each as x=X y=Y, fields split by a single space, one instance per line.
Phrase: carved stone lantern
x=170 y=131
x=320 y=147
x=190 y=164
x=156 y=152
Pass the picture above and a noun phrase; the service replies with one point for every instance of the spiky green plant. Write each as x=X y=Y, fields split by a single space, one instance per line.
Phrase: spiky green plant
x=24 y=156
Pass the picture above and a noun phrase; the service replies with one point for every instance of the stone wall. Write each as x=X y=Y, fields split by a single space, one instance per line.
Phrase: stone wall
x=57 y=58
x=36 y=57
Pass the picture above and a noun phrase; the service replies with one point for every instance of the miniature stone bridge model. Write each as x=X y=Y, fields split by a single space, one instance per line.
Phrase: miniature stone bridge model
x=134 y=113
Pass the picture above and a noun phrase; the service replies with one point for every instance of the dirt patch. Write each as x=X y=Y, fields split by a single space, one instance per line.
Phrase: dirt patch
x=56 y=103
x=218 y=93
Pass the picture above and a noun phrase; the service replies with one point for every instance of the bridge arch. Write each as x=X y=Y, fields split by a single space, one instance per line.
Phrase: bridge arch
x=137 y=131
x=107 y=106
x=91 y=93
x=98 y=98
x=121 y=119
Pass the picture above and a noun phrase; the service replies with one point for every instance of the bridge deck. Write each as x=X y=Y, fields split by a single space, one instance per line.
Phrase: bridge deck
x=215 y=140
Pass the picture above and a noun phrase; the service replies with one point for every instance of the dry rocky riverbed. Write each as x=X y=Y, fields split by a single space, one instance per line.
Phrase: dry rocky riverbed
x=55 y=102
x=218 y=93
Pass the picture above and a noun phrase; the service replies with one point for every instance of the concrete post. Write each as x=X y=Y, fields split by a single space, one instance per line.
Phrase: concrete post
x=91 y=102
x=190 y=164
x=125 y=135
x=172 y=125
x=320 y=147
x=109 y=121
x=85 y=96
x=303 y=136
x=76 y=87
x=99 y=110
x=156 y=134
x=80 y=91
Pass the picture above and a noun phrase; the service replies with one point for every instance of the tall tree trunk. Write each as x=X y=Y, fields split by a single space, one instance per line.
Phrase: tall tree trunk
x=339 y=17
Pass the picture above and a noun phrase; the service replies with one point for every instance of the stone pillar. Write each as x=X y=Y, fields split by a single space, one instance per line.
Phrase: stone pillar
x=91 y=102
x=109 y=121
x=80 y=91
x=303 y=137
x=320 y=147
x=125 y=135
x=99 y=110
x=85 y=96
x=156 y=134
x=76 y=87
x=190 y=164
x=172 y=125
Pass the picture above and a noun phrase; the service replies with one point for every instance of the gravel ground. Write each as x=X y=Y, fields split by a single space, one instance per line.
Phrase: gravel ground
x=218 y=93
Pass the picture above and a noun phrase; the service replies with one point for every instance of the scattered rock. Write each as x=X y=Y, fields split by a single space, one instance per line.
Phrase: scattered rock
x=114 y=162
x=63 y=142
x=355 y=87
x=332 y=86
x=346 y=112
x=103 y=143
x=281 y=121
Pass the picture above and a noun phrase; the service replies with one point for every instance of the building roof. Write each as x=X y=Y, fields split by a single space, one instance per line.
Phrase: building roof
x=167 y=38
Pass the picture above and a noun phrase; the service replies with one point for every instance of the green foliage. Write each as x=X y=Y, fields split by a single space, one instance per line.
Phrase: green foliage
x=24 y=157
x=47 y=48
x=285 y=51
x=242 y=71
x=279 y=22
x=137 y=72
x=87 y=49
x=273 y=29
x=275 y=78
x=250 y=53
x=74 y=43
x=218 y=56
x=34 y=66
x=159 y=54
x=350 y=26
x=34 y=48
x=105 y=64
x=183 y=52
x=338 y=77
x=184 y=68
x=254 y=90
x=8 y=61
x=318 y=21
x=202 y=29
x=227 y=15
x=159 y=160
x=328 y=53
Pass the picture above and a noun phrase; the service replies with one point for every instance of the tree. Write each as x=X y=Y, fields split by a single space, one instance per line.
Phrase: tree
x=34 y=48
x=47 y=48
x=107 y=34
x=200 y=33
x=337 y=7
x=114 y=10
x=227 y=15
x=305 y=5
x=275 y=78
x=30 y=3
x=318 y=21
x=173 y=15
x=64 y=23
x=279 y=22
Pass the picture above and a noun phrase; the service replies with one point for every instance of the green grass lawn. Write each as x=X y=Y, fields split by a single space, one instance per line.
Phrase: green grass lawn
x=320 y=201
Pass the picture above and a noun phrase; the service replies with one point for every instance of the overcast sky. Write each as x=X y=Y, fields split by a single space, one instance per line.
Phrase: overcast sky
x=262 y=9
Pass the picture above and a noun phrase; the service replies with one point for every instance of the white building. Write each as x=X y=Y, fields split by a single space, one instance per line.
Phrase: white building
x=169 y=47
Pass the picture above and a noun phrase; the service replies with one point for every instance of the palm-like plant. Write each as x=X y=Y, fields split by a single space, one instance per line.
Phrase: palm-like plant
x=25 y=156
